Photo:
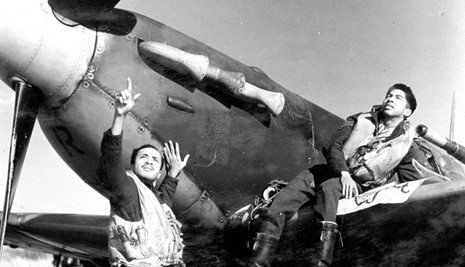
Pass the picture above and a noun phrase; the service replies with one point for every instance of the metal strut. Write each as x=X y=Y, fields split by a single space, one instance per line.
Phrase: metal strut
x=25 y=114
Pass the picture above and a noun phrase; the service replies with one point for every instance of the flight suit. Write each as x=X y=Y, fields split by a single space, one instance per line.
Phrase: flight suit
x=326 y=177
x=142 y=228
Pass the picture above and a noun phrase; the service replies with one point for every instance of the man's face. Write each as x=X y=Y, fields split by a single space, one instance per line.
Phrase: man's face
x=147 y=164
x=395 y=105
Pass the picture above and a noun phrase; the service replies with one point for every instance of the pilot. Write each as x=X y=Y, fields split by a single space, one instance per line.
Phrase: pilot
x=143 y=230
x=363 y=154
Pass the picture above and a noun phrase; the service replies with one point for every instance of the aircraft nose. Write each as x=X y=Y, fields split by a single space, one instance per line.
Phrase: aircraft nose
x=21 y=29
x=49 y=54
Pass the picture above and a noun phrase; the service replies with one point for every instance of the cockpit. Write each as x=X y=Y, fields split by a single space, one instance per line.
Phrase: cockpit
x=444 y=164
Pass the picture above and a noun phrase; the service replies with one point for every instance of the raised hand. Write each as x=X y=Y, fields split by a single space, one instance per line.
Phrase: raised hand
x=173 y=159
x=125 y=101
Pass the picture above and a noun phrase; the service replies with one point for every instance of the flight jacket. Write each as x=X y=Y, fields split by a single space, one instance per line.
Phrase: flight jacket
x=336 y=158
x=112 y=175
x=154 y=241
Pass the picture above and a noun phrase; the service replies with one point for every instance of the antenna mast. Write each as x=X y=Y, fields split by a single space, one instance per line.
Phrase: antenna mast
x=452 y=119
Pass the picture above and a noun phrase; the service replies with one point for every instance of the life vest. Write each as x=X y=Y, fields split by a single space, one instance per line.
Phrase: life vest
x=384 y=157
x=153 y=241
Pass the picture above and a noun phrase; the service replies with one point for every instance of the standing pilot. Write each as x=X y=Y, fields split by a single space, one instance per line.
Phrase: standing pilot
x=143 y=230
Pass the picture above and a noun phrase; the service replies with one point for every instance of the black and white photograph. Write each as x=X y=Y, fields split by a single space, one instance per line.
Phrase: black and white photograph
x=236 y=133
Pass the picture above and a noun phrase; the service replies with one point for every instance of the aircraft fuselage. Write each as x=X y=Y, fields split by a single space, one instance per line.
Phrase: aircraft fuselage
x=236 y=146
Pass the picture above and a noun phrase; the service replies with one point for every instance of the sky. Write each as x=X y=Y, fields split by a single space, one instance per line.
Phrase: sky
x=341 y=55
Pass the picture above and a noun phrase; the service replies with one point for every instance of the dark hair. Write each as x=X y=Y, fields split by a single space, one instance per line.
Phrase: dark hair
x=136 y=150
x=412 y=102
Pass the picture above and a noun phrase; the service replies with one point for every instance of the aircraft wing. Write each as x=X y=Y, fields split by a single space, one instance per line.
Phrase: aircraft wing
x=73 y=235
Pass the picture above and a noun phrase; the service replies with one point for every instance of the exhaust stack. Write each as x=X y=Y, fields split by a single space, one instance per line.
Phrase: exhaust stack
x=198 y=67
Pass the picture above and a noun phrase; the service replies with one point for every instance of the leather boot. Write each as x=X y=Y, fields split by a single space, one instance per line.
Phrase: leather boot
x=264 y=248
x=325 y=248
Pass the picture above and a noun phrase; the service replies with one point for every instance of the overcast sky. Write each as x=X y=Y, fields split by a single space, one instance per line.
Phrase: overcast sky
x=342 y=55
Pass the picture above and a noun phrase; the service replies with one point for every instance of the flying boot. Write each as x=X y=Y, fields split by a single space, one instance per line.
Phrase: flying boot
x=264 y=249
x=325 y=247
x=267 y=240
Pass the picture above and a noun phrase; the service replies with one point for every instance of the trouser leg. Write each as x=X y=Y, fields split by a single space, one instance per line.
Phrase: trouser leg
x=327 y=197
x=285 y=205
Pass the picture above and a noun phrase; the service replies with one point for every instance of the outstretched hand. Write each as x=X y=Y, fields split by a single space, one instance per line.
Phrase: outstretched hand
x=125 y=101
x=173 y=159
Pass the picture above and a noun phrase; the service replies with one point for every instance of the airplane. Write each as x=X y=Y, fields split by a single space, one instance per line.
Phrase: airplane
x=228 y=122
